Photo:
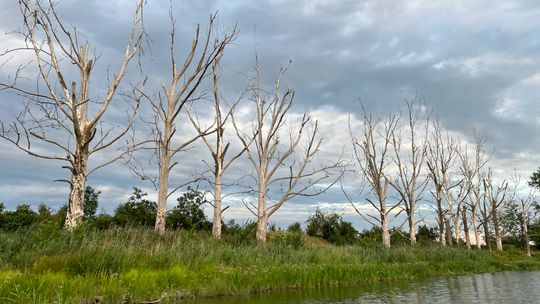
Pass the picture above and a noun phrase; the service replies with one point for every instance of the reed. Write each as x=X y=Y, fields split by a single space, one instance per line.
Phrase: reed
x=135 y=264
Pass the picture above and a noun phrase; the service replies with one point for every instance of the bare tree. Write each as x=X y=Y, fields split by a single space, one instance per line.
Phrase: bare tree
x=276 y=161
x=495 y=194
x=528 y=208
x=172 y=100
x=371 y=152
x=218 y=148
x=457 y=190
x=442 y=152
x=471 y=170
x=410 y=182
x=58 y=112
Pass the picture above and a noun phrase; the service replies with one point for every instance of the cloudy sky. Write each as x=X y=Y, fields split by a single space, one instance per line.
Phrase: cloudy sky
x=476 y=63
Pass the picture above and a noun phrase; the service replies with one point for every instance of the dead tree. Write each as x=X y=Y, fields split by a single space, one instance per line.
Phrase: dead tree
x=217 y=148
x=441 y=155
x=410 y=182
x=171 y=101
x=371 y=152
x=63 y=111
x=528 y=208
x=457 y=190
x=495 y=194
x=281 y=161
x=471 y=170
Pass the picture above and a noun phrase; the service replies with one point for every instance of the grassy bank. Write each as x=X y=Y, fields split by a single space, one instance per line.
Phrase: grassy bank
x=136 y=264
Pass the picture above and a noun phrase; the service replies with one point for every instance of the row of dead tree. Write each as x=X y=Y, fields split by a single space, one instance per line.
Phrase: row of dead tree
x=62 y=113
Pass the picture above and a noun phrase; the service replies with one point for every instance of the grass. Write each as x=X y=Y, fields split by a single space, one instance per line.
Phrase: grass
x=133 y=265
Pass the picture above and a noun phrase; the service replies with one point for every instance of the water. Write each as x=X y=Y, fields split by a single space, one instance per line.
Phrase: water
x=502 y=287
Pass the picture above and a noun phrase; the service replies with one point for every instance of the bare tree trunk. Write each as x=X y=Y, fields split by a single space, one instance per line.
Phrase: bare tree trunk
x=448 y=232
x=457 y=228
x=466 y=227
x=485 y=226
x=475 y=227
x=262 y=217
x=525 y=229
x=497 y=228
x=75 y=212
x=441 y=220
x=163 y=191
x=216 y=224
x=385 y=230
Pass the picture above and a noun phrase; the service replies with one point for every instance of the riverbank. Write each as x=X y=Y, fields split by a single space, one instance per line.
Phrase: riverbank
x=133 y=265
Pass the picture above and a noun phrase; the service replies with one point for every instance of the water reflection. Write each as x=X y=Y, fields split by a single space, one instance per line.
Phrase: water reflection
x=503 y=287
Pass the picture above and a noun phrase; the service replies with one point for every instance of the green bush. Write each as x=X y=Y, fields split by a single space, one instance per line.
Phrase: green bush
x=137 y=211
x=22 y=217
x=188 y=213
x=331 y=227
x=286 y=239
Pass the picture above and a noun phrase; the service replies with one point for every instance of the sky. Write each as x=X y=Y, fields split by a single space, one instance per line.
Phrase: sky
x=475 y=63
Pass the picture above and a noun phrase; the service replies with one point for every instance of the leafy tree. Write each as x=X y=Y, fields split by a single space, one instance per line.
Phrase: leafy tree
x=295 y=227
x=188 y=213
x=22 y=217
x=331 y=227
x=137 y=211
x=91 y=202
x=535 y=179
x=426 y=234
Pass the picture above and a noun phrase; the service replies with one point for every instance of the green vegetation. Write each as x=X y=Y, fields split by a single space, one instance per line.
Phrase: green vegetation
x=45 y=264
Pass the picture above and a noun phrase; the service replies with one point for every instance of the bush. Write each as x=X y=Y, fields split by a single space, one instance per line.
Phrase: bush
x=295 y=227
x=188 y=213
x=331 y=227
x=137 y=211
x=91 y=197
x=286 y=239
x=22 y=217
x=426 y=234
x=240 y=234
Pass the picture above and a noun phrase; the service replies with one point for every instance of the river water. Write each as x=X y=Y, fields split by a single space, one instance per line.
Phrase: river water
x=502 y=287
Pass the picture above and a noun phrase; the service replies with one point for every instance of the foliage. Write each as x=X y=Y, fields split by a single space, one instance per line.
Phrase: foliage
x=137 y=211
x=91 y=202
x=331 y=227
x=534 y=180
x=295 y=227
x=22 y=217
x=188 y=213
x=426 y=234
x=237 y=234
x=290 y=239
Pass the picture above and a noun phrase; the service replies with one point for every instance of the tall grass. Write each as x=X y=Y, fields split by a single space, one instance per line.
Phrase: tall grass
x=131 y=265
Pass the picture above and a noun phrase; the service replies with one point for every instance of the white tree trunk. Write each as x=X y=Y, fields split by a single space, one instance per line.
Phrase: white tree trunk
x=75 y=210
x=216 y=225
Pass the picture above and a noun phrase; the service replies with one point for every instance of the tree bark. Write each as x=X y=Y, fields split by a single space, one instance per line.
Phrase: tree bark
x=75 y=211
x=474 y=221
x=440 y=216
x=216 y=225
x=163 y=190
x=466 y=227
x=525 y=229
x=497 y=228
x=449 y=240
x=384 y=228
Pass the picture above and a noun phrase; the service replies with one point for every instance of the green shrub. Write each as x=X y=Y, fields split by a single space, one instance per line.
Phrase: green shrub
x=137 y=211
x=331 y=227
x=22 y=217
